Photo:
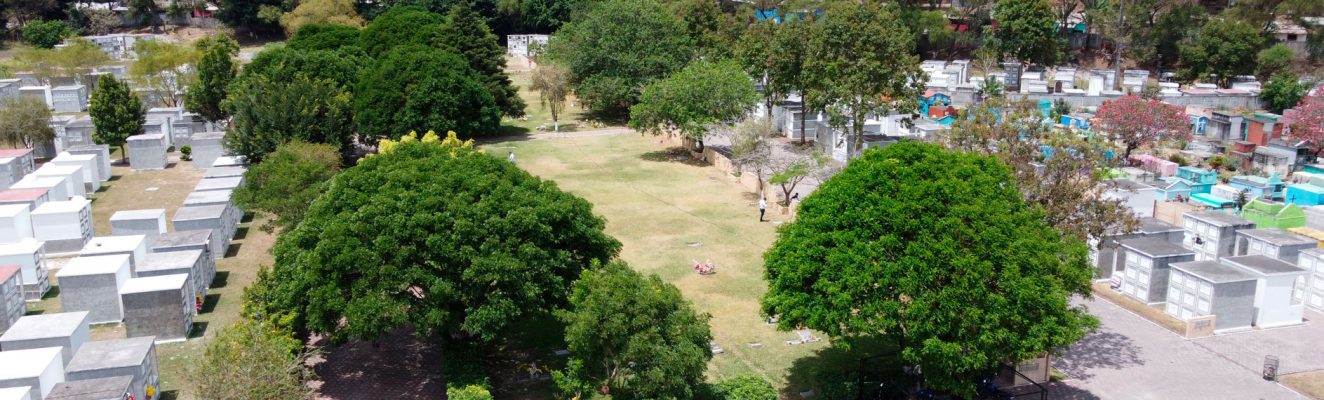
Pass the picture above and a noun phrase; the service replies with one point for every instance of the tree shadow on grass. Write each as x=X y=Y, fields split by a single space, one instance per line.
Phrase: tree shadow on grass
x=834 y=372
x=397 y=366
x=532 y=341
x=674 y=154
x=220 y=280
x=1099 y=349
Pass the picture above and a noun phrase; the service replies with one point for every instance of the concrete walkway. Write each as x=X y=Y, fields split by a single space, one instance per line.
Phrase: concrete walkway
x=1131 y=358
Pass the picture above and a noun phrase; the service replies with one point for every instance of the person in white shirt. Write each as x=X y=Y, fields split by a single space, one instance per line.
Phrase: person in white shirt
x=763 y=207
x=511 y=157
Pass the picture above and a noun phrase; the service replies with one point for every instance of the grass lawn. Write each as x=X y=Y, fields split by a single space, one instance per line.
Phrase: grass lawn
x=572 y=118
x=667 y=213
x=131 y=190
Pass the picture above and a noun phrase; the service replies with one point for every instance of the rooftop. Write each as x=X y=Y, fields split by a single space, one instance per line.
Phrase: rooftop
x=221 y=172
x=1154 y=247
x=1155 y=225
x=1307 y=187
x=95 y=265
x=1277 y=236
x=8 y=271
x=75 y=204
x=182 y=238
x=25 y=246
x=218 y=183
x=151 y=213
x=19 y=364
x=1213 y=271
x=114 y=244
x=1219 y=218
x=208 y=135
x=180 y=259
x=43 y=326
x=102 y=354
x=16 y=393
x=1264 y=265
x=199 y=212
x=154 y=284
x=92 y=389
x=12 y=210
x=14 y=152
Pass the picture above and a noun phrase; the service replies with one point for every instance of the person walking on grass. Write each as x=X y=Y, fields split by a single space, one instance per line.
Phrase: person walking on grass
x=763 y=207
x=511 y=157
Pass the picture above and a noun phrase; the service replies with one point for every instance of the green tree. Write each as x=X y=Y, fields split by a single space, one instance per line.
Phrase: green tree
x=1027 y=31
x=268 y=113
x=25 y=122
x=616 y=48
x=116 y=113
x=1224 y=49
x=45 y=34
x=331 y=12
x=635 y=337
x=285 y=63
x=552 y=82
x=401 y=26
x=702 y=94
x=467 y=35
x=287 y=181
x=1283 y=91
x=164 y=68
x=145 y=12
x=326 y=37
x=216 y=71
x=862 y=62
x=416 y=88
x=546 y=16
x=251 y=360
x=745 y=387
x=435 y=236
x=1271 y=61
x=937 y=252
x=244 y=14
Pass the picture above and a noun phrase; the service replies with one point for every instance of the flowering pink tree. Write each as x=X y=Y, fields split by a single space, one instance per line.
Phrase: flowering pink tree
x=1138 y=122
x=1307 y=123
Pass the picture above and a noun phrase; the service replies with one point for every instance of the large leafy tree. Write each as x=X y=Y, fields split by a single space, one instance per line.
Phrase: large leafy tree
x=616 y=48
x=690 y=100
x=45 y=34
x=466 y=34
x=546 y=15
x=116 y=113
x=861 y=61
x=433 y=235
x=1027 y=31
x=1307 y=122
x=332 y=12
x=1072 y=202
x=635 y=337
x=401 y=26
x=1224 y=49
x=326 y=37
x=25 y=122
x=216 y=71
x=287 y=181
x=250 y=15
x=937 y=252
x=164 y=67
x=284 y=64
x=272 y=361
x=420 y=89
x=1136 y=122
x=267 y=113
x=1283 y=91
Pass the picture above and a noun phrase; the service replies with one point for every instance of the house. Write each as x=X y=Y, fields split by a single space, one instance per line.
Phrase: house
x=1270 y=187
x=1212 y=234
x=1199 y=179
x=1292 y=35
x=1270 y=214
x=1147 y=261
x=1107 y=256
x=1274 y=243
x=1225 y=126
x=1202 y=288
x=1277 y=300
x=1312 y=261
x=1137 y=196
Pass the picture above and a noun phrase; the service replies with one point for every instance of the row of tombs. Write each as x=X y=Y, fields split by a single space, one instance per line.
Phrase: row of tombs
x=152 y=280
x=1217 y=270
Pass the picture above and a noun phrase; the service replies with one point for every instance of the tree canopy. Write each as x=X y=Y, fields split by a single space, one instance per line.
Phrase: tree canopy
x=467 y=35
x=401 y=26
x=284 y=64
x=616 y=48
x=116 y=113
x=1027 y=31
x=1307 y=122
x=326 y=37
x=250 y=15
x=693 y=98
x=417 y=88
x=635 y=336
x=269 y=112
x=25 y=122
x=45 y=34
x=1136 y=122
x=1224 y=49
x=1282 y=92
x=935 y=251
x=288 y=180
x=216 y=71
x=272 y=363
x=434 y=235
x=333 y=12
x=164 y=67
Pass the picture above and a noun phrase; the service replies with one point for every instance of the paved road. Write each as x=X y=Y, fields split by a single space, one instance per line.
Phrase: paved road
x=1133 y=359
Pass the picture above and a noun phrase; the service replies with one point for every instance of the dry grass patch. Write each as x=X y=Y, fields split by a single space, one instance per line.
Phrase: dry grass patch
x=1309 y=383
x=1154 y=314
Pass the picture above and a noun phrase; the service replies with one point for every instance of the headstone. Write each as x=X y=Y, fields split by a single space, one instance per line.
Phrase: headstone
x=92 y=284
x=12 y=305
x=134 y=357
x=160 y=306
x=207 y=146
x=1013 y=82
x=78 y=132
x=147 y=151
x=159 y=126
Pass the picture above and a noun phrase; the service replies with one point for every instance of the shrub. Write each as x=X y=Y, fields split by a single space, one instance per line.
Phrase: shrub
x=45 y=34
x=1177 y=158
x=186 y=152
x=745 y=387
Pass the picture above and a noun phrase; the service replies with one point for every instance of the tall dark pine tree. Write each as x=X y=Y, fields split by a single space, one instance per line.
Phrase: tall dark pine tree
x=116 y=113
x=466 y=33
x=215 y=72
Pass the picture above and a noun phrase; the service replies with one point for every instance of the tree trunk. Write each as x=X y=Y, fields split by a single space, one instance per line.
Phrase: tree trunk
x=124 y=155
x=1117 y=44
x=804 y=111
